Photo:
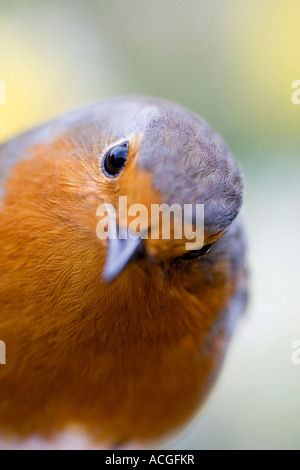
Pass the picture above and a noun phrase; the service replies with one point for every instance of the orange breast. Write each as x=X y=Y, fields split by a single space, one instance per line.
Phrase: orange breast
x=127 y=360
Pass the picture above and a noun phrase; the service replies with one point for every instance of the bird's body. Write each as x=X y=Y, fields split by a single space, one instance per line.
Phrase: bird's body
x=135 y=357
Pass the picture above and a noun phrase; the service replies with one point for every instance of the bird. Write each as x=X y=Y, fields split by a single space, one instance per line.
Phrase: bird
x=122 y=338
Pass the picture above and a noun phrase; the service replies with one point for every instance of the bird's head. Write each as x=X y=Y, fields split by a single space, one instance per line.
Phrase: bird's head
x=132 y=154
x=159 y=162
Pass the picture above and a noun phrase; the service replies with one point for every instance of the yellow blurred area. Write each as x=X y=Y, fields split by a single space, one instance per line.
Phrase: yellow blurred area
x=44 y=74
x=268 y=48
x=28 y=85
x=232 y=62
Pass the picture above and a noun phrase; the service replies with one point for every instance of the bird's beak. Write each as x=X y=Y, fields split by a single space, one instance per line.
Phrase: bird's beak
x=122 y=248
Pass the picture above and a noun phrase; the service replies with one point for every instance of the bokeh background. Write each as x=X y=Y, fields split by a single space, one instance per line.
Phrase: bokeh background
x=234 y=63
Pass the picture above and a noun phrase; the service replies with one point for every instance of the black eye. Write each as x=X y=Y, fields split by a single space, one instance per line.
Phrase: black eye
x=198 y=253
x=114 y=159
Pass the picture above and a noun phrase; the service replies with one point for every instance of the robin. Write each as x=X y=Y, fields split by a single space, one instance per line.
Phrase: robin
x=120 y=336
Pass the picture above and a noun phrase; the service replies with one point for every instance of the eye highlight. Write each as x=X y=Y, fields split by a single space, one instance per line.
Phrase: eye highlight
x=198 y=253
x=114 y=159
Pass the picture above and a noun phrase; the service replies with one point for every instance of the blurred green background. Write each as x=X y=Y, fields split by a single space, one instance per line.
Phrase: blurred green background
x=234 y=63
